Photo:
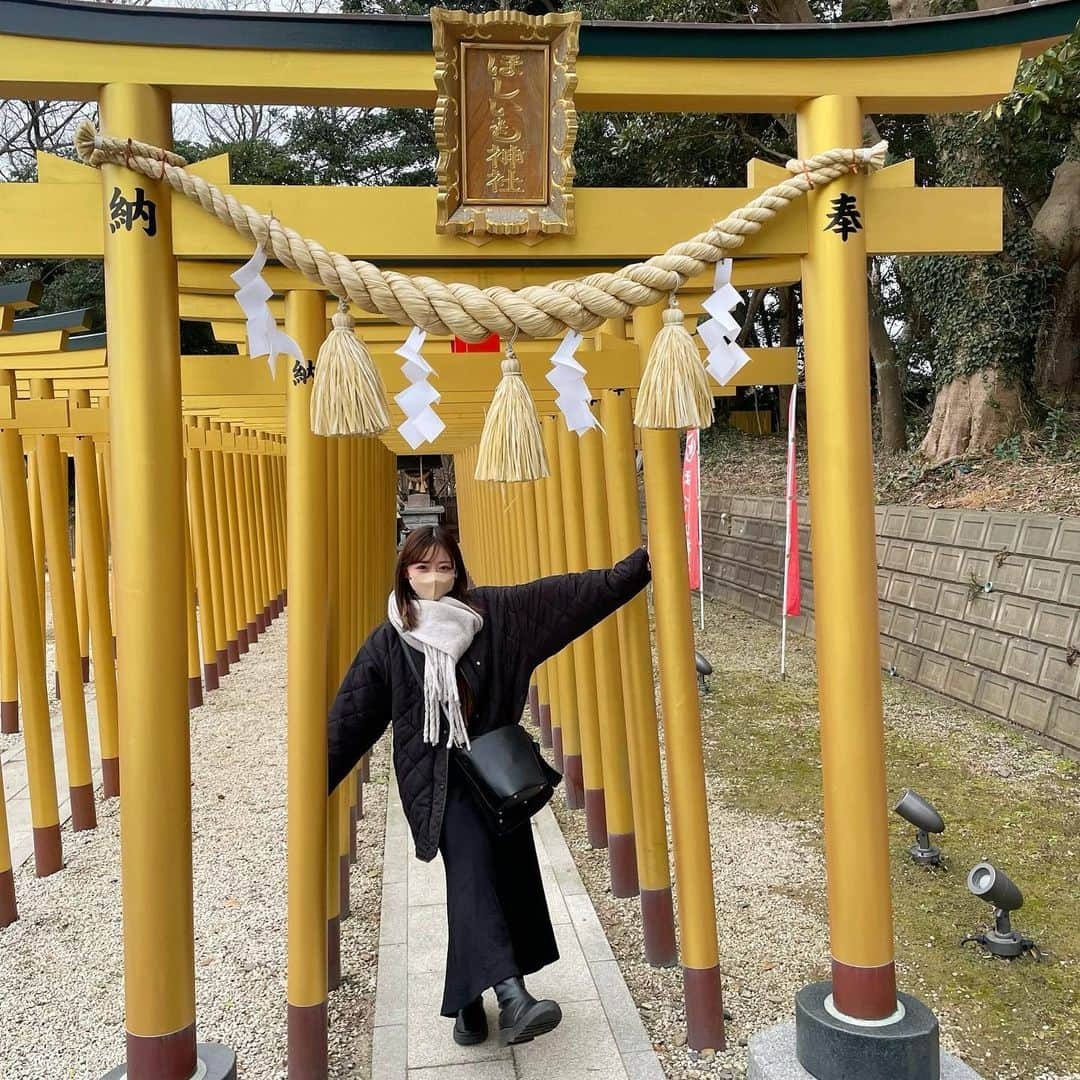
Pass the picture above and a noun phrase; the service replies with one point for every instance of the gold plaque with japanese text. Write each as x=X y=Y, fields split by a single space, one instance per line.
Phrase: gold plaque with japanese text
x=505 y=123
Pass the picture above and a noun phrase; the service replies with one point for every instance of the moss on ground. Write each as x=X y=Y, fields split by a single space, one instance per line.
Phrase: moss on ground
x=1003 y=799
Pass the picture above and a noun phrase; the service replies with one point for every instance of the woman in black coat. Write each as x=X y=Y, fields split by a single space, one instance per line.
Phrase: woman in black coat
x=451 y=662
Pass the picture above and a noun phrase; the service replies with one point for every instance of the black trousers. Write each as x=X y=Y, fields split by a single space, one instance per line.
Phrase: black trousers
x=497 y=914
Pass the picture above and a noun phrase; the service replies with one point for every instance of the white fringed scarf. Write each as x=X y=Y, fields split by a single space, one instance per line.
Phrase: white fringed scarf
x=443 y=632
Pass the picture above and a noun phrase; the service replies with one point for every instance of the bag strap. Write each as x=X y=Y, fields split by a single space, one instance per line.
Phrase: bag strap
x=408 y=649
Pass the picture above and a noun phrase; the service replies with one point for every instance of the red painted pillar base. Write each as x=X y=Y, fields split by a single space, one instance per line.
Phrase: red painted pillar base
x=308 y=1042
x=596 y=817
x=572 y=781
x=9 y=910
x=868 y=993
x=658 y=922
x=110 y=777
x=622 y=861
x=9 y=717
x=704 y=1008
x=174 y=1057
x=83 y=814
x=545 y=725
x=48 y=853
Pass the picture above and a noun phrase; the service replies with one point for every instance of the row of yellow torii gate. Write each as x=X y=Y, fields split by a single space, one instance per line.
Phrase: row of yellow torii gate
x=56 y=404
x=336 y=537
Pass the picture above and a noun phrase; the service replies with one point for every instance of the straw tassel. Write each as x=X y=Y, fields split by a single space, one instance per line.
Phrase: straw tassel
x=511 y=446
x=348 y=396
x=674 y=389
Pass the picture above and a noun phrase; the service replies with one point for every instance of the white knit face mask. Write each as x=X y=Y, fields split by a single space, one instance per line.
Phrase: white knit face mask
x=431 y=584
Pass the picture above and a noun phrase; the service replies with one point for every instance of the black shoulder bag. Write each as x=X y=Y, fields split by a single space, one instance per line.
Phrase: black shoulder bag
x=507 y=773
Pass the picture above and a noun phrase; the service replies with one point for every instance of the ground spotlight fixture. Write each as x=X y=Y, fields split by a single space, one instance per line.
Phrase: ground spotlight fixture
x=914 y=809
x=995 y=887
x=704 y=668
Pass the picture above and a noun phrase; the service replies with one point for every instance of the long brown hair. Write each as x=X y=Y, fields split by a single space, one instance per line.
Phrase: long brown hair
x=419 y=546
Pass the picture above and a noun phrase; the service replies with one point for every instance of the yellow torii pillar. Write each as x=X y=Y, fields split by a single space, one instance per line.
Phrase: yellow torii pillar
x=682 y=723
x=29 y=645
x=863 y=985
x=305 y=322
x=148 y=541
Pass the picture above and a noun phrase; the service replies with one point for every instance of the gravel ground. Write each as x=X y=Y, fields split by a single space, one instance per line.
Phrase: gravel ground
x=768 y=871
x=61 y=965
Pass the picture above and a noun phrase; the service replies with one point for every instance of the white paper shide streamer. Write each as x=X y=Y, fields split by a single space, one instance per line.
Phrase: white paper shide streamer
x=720 y=331
x=421 y=424
x=263 y=336
x=567 y=375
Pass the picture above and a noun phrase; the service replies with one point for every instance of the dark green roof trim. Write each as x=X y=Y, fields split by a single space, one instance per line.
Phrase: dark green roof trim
x=26 y=293
x=59 y=320
x=86 y=341
x=75 y=21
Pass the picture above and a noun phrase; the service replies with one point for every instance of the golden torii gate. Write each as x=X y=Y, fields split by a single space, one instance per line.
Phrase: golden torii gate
x=829 y=76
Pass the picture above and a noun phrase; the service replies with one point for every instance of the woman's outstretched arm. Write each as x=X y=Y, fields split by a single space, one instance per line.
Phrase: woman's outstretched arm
x=359 y=716
x=547 y=614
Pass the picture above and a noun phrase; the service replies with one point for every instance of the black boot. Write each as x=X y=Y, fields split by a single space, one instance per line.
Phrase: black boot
x=471 y=1025
x=521 y=1016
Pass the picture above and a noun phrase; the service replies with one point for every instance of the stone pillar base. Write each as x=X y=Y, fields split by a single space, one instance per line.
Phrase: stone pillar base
x=772 y=1057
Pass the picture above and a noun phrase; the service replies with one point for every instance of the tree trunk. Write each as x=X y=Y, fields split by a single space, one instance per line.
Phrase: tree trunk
x=975 y=410
x=890 y=383
x=972 y=414
x=1057 y=224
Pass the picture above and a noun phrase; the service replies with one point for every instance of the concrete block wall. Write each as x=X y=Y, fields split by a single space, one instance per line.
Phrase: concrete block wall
x=1004 y=649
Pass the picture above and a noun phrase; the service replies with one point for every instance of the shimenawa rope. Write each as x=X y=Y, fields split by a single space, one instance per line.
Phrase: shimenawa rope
x=469 y=312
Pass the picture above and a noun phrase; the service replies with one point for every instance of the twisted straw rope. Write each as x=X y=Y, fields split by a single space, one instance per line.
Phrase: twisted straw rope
x=469 y=312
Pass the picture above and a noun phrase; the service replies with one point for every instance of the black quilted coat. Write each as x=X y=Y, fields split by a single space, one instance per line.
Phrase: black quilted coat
x=523 y=626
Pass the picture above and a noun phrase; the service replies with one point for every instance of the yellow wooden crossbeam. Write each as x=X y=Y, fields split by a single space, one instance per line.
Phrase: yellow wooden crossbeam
x=32 y=67
x=386 y=224
x=208 y=277
x=22 y=345
x=7 y=317
x=56 y=364
x=235 y=380
x=65 y=383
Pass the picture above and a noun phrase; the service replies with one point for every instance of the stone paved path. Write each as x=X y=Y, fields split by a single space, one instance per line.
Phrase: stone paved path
x=601 y=1036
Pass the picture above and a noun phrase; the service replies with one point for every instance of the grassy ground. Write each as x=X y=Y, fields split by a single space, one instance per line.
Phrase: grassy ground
x=1002 y=798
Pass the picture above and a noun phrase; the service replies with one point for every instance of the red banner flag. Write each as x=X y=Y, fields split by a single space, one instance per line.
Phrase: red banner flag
x=792 y=590
x=691 y=493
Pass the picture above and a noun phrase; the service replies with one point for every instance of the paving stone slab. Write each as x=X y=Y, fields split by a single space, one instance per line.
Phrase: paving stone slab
x=388 y=1053
x=582 y=1047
